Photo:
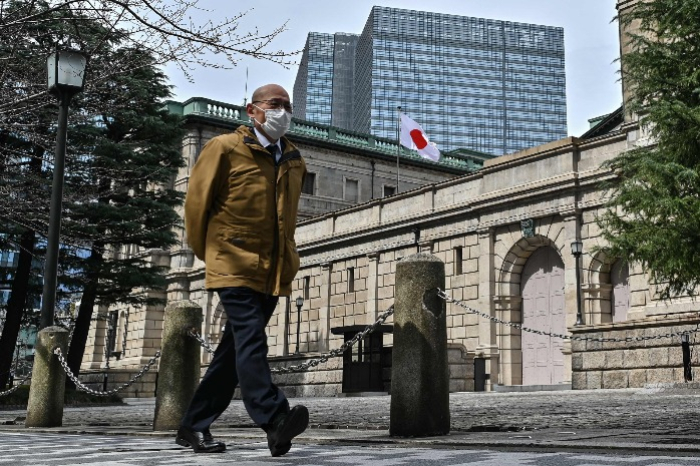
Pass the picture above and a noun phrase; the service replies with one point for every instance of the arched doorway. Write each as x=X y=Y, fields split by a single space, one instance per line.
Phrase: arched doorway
x=543 y=308
x=620 y=299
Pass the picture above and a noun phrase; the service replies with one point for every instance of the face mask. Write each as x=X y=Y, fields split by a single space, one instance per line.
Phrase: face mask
x=277 y=122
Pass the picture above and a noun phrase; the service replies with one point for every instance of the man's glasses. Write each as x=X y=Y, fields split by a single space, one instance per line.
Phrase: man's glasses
x=275 y=104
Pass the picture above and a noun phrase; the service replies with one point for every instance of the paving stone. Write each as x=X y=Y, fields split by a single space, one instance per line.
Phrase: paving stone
x=634 y=409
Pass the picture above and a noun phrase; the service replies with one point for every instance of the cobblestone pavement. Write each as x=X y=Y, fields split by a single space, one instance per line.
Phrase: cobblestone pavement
x=53 y=450
x=635 y=421
x=632 y=409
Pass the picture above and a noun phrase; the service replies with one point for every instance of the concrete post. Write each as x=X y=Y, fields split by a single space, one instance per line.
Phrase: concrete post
x=179 y=369
x=420 y=379
x=47 y=389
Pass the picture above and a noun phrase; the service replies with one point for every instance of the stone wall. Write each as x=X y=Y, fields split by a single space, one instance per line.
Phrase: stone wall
x=485 y=227
x=461 y=368
x=631 y=364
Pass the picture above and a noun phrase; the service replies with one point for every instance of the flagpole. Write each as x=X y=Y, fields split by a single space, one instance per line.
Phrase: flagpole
x=398 y=146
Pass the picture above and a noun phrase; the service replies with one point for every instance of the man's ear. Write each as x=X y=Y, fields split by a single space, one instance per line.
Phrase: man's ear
x=249 y=109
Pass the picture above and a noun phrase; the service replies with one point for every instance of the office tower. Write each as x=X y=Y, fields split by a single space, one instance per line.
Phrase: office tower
x=343 y=79
x=313 y=90
x=487 y=85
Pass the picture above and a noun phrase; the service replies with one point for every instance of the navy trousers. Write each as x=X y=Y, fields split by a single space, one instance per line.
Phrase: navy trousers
x=240 y=358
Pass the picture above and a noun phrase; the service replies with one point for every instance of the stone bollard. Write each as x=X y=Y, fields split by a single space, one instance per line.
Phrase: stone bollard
x=179 y=369
x=420 y=384
x=48 y=387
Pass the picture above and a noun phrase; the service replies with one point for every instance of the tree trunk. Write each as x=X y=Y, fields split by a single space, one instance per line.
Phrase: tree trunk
x=82 y=321
x=16 y=305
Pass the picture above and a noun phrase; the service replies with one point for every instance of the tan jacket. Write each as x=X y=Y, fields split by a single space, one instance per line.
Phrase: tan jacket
x=241 y=213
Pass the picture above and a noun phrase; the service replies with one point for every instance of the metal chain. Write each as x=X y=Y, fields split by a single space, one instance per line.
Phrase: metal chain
x=193 y=333
x=81 y=387
x=16 y=387
x=495 y=320
x=338 y=351
x=324 y=357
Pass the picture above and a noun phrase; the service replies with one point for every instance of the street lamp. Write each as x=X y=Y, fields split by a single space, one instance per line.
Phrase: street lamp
x=14 y=374
x=577 y=250
x=19 y=347
x=66 y=77
x=300 y=303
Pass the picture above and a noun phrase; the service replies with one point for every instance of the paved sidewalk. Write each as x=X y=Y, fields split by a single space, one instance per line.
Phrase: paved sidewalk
x=38 y=449
x=633 y=421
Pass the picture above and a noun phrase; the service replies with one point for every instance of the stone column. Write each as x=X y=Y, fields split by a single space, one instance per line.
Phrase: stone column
x=624 y=7
x=372 y=286
x=93 y=357
x=284 y=307
x=487 y=346
x=179 y=368
x=509 y=309
x=324 y=317
x=572 y=228
x=420 y=378
x=47 y=390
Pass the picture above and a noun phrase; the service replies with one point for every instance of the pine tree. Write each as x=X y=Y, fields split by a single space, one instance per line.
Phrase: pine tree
x=654 y=212
x=124 y=181
x=123 y=151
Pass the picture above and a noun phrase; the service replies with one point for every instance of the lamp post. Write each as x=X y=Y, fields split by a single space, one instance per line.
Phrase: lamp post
x=66 y=77
x=300 y=303
x=577 y=250
x=13 y=374
x=19 y=347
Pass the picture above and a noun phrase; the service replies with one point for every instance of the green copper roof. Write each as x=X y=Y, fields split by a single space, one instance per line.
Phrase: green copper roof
x=461 y=159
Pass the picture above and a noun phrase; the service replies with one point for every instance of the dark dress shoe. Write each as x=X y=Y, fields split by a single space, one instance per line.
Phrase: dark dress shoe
x=285 y=427
x=200 y=442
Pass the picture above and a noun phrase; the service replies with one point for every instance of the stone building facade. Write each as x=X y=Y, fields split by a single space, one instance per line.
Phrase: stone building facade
x=344 y=169
x=504 y=233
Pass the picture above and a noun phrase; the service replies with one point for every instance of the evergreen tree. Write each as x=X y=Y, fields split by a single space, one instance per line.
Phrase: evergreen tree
x=124 y=181
x=653 y=217
x=122 y=154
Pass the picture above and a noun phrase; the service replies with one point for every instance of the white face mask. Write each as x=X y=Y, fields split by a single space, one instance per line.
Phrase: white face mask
x=277 y=121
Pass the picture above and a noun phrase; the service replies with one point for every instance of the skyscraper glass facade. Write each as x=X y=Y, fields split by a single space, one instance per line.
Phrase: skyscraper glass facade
x=8 y=264
x=313 y=88
x=487 y=85
x=493 y=86
x=343 y=79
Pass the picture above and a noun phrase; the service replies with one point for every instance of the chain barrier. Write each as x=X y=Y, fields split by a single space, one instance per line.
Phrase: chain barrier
x=339 y=351
x=79 y=385
x=16 y=387
x=442 y=294
x=204 y=343
x=314 y=362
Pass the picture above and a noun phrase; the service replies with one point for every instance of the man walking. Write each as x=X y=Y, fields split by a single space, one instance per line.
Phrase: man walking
x=240 y=218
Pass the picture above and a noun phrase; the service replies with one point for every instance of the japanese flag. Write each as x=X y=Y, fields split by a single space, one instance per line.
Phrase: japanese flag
x=413 y=137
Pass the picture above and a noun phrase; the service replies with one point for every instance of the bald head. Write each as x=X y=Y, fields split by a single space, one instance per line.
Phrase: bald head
x=269 y=91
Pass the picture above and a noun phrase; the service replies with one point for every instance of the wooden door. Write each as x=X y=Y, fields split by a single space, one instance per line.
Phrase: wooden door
x=543 y=309
x=620 y=302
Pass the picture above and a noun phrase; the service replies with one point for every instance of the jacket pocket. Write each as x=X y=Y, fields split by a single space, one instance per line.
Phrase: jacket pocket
x=238 y=253
x=291 y=263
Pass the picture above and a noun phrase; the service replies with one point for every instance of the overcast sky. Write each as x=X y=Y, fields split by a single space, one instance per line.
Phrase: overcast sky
x=591 y=41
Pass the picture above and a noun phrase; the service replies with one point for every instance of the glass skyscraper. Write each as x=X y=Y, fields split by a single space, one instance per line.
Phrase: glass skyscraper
x=487 y=85
x=343 y=79
x=313 y=89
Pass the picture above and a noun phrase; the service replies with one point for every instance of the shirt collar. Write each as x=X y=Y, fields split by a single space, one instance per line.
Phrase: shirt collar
x=266 y=142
